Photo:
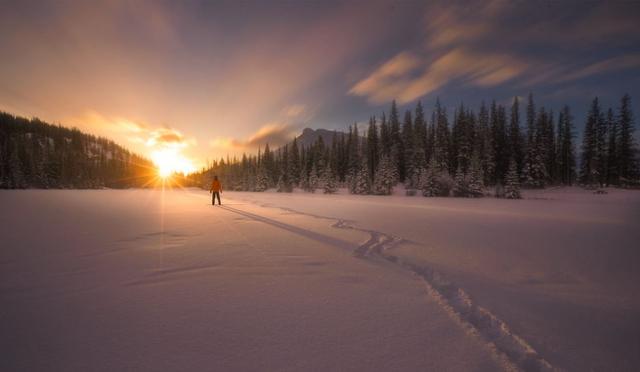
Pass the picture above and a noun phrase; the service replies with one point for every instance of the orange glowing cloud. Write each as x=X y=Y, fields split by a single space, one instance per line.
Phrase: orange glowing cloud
x=274 y=134
x=168 y=137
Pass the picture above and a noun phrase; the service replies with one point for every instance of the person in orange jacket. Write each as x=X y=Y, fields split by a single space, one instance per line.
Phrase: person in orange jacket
x=216 y=189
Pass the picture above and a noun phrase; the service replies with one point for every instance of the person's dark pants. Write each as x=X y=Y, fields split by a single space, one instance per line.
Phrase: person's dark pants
x=213 y=198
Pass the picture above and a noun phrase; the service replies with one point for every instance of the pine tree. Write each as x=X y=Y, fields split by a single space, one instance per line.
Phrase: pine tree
x=304 y=177
x=283 y=184
x=590 y=162
x=373 y=151
x=514 y=139
x=566 y=154
x=499 y=142
x=385 y=136
x=512 y=183
x=417 y=177
x=531 y=169
x=549 y=146
x=428 y=179
x=626 y=149
x=329 y=181
x=385 y=177
x=460 y=187
x=294 y=163
x=462 y=143
x=361 y=183
x=407 y=157
x=262 y=180
x=601 y=149
x=268 y=165
x=475 y=187
x=420 y=138
x=353 y=149
x=397 y=149
x=431 y=134
x=484 y=144
x=16 y=169
x=535 y=170
x=612 y=177
x=313 y=179
x=441 y=138
x=341 y=158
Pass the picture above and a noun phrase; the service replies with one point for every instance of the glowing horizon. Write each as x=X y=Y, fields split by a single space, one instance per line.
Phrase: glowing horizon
x=170 y=161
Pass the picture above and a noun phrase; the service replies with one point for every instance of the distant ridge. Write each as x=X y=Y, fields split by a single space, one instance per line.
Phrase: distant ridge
x=310 y=136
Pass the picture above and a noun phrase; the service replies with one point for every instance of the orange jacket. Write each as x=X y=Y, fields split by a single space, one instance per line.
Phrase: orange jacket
x=216 y=186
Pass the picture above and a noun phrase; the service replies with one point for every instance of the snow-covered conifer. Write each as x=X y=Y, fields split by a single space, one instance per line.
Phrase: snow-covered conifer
x=361 y=181
x=385 y=176
x=262 y=180
x=428 y=179
x=460 y=187
x=329 y=181
x=314 y=181
x=475 y=186
x=512 y=185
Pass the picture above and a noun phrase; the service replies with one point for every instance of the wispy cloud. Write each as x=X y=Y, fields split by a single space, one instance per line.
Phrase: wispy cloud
x=482 y=44
x=168 y=137
x=133 y=131
x=389 y=79
x=609 y=65
x=464 y=66
x=274 y=134
x=294 y=111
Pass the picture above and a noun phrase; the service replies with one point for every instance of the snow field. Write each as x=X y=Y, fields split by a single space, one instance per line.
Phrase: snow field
x=146 y=280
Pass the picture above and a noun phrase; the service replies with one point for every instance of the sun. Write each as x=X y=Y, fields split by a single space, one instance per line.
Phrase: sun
x=170 y=161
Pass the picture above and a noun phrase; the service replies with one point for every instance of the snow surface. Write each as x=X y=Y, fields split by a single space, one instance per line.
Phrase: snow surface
x=162 y=280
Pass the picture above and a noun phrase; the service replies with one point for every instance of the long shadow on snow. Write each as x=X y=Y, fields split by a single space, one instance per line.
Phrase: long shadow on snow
x=512 y=352
x=294 y=229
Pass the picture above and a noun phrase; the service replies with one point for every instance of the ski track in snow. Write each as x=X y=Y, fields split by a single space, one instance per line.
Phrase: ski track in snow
x=509 y=349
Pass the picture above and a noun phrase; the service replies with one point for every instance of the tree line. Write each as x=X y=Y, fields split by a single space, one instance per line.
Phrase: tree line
x=39 y=155
x=459 y=154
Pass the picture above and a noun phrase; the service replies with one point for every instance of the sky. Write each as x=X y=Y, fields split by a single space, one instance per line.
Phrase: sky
x=198 y=80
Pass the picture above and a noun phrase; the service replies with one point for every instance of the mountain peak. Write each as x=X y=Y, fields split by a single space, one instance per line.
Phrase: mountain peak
x=310 y=136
